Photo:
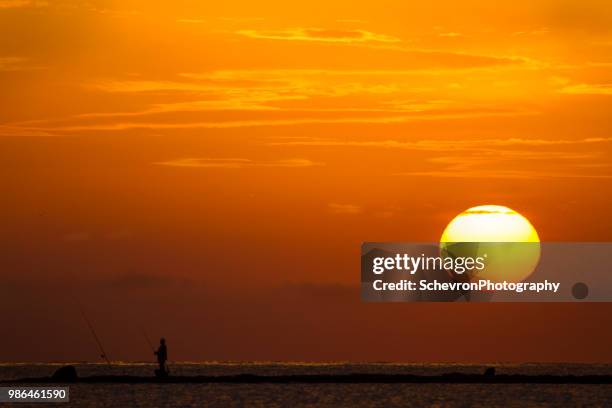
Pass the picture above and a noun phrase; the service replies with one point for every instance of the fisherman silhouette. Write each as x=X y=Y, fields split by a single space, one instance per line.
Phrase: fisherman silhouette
x=162 y=357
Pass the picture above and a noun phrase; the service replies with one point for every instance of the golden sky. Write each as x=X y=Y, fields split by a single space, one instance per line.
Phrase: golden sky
x=153 y=150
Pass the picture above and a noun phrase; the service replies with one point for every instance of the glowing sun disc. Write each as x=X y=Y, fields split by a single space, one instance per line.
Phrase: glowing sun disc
x=508 y=239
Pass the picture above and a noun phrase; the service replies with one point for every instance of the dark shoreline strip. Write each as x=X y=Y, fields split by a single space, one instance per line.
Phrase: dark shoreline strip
x=452 y=378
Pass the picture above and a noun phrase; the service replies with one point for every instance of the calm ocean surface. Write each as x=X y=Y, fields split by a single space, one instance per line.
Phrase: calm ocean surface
x=330 y=395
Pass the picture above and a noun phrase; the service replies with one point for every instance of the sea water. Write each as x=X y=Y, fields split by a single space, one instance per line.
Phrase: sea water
x=330 y=395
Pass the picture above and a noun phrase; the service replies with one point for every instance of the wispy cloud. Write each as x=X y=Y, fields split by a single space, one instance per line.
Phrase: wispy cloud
x=240 y=19
x=11 y=63
x=588 y=89
x=7 y=61
x=286 y=97
x=502 y=174
x=253 y=90
x=349 y=209
x=6 y=4
x=492 y=158
x=442 y=145
x=6 y=130
x=433 y=57
x=236 y=163
x=190 y=21
x=136 y=86
x=539 y=31
x=346 y=117
x=450 y=34
x=510 y=165
x=320 y=34
x=384 y=90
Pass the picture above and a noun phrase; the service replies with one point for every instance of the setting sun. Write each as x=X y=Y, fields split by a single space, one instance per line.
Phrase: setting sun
x=504 y=236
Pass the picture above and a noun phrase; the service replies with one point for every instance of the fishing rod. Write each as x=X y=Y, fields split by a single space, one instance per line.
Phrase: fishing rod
x=93 y=332
x=144 y=333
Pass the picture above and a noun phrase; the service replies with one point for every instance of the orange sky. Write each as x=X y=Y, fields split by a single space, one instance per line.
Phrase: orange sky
x=218 y=165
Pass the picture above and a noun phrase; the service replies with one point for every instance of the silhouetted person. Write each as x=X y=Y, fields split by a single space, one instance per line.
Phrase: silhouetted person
x=162 y=357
